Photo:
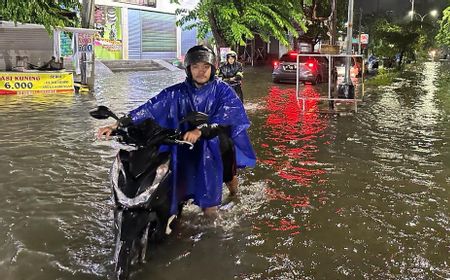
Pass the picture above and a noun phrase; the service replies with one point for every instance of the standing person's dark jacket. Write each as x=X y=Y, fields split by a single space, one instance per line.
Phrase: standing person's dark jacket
x=233 y=74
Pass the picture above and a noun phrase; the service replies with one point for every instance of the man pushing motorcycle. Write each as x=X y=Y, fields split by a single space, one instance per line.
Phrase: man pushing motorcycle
x=220 y=145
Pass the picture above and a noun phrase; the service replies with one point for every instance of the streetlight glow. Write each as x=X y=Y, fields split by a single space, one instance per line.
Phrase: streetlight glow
x=433 y=13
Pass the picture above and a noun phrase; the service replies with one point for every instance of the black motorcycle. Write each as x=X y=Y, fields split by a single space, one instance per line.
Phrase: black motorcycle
x=236 y=85
x=141 y=186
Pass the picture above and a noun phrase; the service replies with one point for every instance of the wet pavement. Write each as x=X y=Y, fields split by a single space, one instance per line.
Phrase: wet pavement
x=359 y=196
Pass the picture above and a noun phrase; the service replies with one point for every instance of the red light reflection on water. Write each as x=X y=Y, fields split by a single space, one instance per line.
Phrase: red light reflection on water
x=295 y=201
x=292 y=135
x=285 y=225
x=289 y=149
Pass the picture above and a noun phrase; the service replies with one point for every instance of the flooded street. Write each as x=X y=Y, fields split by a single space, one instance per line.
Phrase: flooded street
x=362 y=196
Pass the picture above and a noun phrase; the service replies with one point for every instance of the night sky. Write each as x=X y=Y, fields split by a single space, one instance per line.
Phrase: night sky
x=399 y=7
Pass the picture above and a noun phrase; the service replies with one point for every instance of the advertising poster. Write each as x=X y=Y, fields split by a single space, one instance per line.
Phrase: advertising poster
x=65 y=44
x=108 y=41
x=28 y=83
x=85 y=43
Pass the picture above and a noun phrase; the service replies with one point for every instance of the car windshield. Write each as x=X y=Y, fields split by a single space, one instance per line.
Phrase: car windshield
x=292 y=57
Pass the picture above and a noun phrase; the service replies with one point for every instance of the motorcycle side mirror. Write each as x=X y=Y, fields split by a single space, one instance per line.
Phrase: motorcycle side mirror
x=195 y=118
x=102 y=112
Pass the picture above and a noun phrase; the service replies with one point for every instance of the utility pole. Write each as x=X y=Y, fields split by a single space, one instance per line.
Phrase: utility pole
x=87 y=21
x=359 y=31
x=333 y=29
x=348 y=80
x=87 y=14
x=412 y=9
x=347 y=89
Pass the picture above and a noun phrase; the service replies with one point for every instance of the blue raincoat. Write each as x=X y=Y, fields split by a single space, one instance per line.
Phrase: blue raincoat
x=198 y=173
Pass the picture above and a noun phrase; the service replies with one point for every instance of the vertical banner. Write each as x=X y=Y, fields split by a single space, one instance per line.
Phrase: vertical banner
x=86 y=48
x=108 y=41
x=65 y=44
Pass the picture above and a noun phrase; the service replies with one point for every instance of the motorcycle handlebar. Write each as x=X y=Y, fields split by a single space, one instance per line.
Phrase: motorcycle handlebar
x=123 y=137
x=180 y=142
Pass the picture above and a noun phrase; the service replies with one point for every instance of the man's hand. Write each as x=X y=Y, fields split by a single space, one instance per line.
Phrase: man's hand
x=106 y=130
x=192 y=136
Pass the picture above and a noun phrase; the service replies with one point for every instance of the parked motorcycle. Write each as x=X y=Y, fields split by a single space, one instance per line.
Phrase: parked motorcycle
x=372 y=64
x=141 y=186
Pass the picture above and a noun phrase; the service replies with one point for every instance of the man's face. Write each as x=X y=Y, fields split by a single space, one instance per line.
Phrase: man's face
x=201 y=72
x=231 y=59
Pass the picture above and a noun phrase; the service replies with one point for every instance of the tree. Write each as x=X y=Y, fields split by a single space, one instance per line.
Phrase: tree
x=443 y=35
x=396 y=39
x=50 y=13
x=232 y=22
x=323 y=19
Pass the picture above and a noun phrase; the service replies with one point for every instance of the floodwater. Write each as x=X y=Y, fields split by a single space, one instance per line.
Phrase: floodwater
x=355 y=196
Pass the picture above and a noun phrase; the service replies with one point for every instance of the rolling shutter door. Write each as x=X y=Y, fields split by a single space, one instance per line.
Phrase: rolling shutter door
x=159 y=36
x=32 y=42
x=151 y=35
x=134 y=34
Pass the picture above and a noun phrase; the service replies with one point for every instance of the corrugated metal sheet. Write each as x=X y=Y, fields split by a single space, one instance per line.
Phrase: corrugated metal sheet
x=134 y=34
x=156 y=33
x=25 y=39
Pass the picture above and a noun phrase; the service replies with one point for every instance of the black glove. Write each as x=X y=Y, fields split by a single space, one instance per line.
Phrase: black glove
x=125 y=121
x=212 y=130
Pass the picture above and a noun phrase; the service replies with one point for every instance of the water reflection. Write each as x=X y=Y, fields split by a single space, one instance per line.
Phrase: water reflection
x=289 y=149
x=332 y=197
x=292 y=135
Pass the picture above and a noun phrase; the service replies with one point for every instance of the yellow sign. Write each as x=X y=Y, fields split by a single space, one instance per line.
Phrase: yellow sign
x=32 y=82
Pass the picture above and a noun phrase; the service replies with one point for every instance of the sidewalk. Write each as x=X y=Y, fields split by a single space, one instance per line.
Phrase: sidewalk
x=136 y=65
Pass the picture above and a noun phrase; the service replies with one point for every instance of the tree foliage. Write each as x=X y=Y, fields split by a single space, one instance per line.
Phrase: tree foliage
x=396 y=38
x=234 y=21
x=443 y=35
x=319 y=19
x=50 y=13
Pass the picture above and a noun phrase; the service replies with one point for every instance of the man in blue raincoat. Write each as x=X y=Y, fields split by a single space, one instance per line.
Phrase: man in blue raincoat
x=221 y=144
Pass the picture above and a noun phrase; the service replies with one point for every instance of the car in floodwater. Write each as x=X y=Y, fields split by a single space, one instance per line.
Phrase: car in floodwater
x=312 y=69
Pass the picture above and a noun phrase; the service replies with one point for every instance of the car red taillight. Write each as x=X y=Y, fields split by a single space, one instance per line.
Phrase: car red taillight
x=311 y=64
x=275 y=64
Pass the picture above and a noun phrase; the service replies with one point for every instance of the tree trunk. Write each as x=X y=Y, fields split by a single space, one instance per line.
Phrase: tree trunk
x=218 y=38
x=330 y=21
x=333 y=20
